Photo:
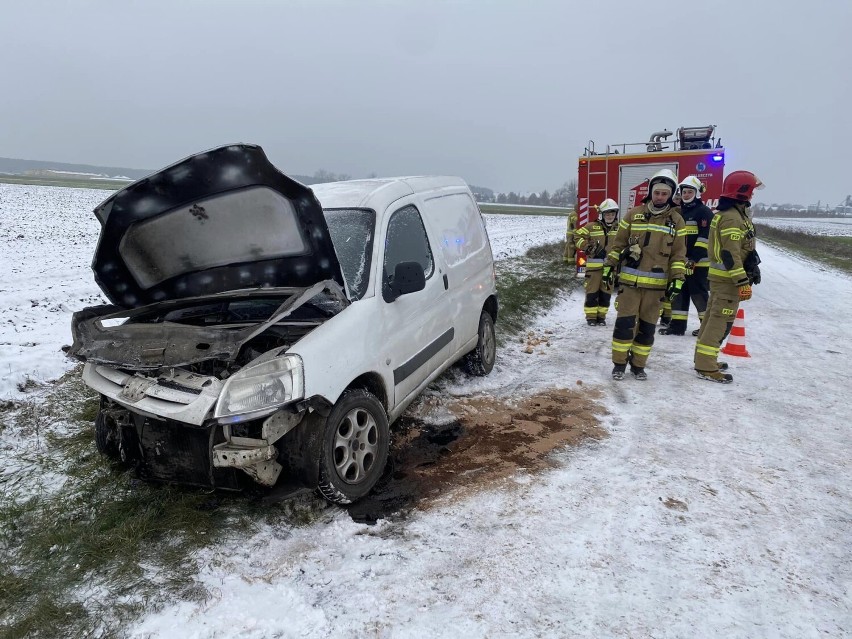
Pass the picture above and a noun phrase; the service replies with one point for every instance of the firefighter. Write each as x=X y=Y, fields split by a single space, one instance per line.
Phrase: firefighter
x=697 y=217
x=595 y=239
x=570 y=249
x=733 y=269
x=666 y=310
x=651 y=242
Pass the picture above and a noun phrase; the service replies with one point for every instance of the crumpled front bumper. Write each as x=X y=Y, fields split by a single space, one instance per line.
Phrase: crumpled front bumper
x=176 y=438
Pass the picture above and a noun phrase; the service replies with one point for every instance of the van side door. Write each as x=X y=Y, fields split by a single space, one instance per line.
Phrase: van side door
x=417 y=325
x=458 y=228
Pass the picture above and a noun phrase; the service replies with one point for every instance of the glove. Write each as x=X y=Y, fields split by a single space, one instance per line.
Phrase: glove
x=600 y=253
x=673 y=289
x=689 y=265
x=745 y=292
x=634 y=252
x=754 y=275
x=608 y=277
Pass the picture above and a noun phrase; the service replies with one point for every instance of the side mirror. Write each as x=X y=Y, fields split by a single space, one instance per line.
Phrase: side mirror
x=408 y=277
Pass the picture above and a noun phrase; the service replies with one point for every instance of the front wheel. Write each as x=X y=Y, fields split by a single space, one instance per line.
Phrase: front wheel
x=106 y=435
x=480 y=360
x=355 y=447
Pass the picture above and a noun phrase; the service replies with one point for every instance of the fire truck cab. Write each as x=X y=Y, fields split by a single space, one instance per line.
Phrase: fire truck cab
x=622 y=171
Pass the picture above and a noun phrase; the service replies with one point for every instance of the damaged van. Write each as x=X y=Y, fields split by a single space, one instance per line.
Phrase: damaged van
x=263 y=331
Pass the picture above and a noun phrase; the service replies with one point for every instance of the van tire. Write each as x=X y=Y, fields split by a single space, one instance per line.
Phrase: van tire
x=354 y=448
x=480 y=360
x=106 y=436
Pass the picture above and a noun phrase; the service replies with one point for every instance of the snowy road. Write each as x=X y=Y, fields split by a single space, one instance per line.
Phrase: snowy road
x=711 y=511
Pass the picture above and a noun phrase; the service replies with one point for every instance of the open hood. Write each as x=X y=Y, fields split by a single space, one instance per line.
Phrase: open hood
x=217 y=221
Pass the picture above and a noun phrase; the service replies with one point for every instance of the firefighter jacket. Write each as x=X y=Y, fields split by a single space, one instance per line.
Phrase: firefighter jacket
x=595 y=240
x=661 y=236
x=731 y=242
x=571 y=230
x=697 y=217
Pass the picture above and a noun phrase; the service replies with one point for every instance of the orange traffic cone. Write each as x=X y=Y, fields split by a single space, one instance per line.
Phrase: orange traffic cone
x=736 y=340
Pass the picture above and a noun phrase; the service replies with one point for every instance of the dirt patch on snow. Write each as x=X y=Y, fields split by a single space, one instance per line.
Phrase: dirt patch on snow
x=463 y=444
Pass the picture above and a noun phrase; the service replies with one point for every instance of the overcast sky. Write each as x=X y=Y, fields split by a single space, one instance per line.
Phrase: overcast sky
x=504 y=94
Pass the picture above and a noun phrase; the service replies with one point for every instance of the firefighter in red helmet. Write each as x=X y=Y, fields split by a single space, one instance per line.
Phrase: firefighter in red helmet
x=733 y=271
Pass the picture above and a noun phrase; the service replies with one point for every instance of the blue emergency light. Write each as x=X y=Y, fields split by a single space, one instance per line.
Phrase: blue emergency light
x=717 y=157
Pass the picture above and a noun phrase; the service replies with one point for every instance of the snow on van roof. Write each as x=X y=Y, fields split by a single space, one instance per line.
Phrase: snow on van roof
x=371 y=192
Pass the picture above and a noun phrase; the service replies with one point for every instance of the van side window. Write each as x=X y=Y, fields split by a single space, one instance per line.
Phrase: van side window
x=407 y=242
x=458 y=225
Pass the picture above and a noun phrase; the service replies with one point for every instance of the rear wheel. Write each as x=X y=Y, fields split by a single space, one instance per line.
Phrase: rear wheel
x=355 y=447
x=480 y=360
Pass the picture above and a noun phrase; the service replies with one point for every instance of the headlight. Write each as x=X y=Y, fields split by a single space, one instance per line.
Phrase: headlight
x=261 y=388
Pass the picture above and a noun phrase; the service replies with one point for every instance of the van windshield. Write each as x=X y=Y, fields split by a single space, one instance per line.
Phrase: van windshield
x=352 y=232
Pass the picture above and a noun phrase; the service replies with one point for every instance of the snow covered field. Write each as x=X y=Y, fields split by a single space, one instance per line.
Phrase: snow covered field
x=49 y=235
x=814 y=226
x=710 y=511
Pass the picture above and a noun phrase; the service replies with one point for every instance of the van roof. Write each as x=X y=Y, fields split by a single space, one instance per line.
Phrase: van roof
x=379 y=192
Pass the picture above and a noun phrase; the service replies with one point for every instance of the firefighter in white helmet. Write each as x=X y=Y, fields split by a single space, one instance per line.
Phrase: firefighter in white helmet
x=595 y=240
x=650 y=246
x=697 y=217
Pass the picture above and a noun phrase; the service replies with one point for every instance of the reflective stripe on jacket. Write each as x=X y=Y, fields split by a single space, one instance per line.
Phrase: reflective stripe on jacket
x=731 y=240
x=697 y=218
x=591 y=234
x=662 y=238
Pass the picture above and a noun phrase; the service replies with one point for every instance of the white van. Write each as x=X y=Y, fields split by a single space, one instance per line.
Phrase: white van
x=263 y=329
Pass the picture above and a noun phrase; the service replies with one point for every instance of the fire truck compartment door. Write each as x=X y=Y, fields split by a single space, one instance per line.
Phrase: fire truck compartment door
x=633 y=183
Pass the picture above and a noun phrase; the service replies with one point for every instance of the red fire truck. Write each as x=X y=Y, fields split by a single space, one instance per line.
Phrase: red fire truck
x=622 y=171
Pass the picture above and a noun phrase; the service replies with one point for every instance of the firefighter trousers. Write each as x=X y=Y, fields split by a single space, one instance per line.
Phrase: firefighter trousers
x=638 y=310
x=597 y=295
x=718 y=320
x=695 y=288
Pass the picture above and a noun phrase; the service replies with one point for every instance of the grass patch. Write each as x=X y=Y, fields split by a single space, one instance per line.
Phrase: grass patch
x=85 y=546
x=530 y=285
x=834 y=251
x=523 y=209
x=78 y=183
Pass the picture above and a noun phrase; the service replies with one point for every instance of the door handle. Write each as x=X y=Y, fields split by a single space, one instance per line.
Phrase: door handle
x=446 y=282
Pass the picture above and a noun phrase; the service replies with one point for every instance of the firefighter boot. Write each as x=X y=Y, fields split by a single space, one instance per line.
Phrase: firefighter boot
x=618 y=371
x=715 y=376
x=639 y=372
x=592 y=322
x=674 y=327
x=695 y=332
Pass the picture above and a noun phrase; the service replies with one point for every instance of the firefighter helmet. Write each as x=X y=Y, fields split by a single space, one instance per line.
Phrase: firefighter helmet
x=608 y=205
x=741 y=185
x=691 y=182
x=666 y=176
